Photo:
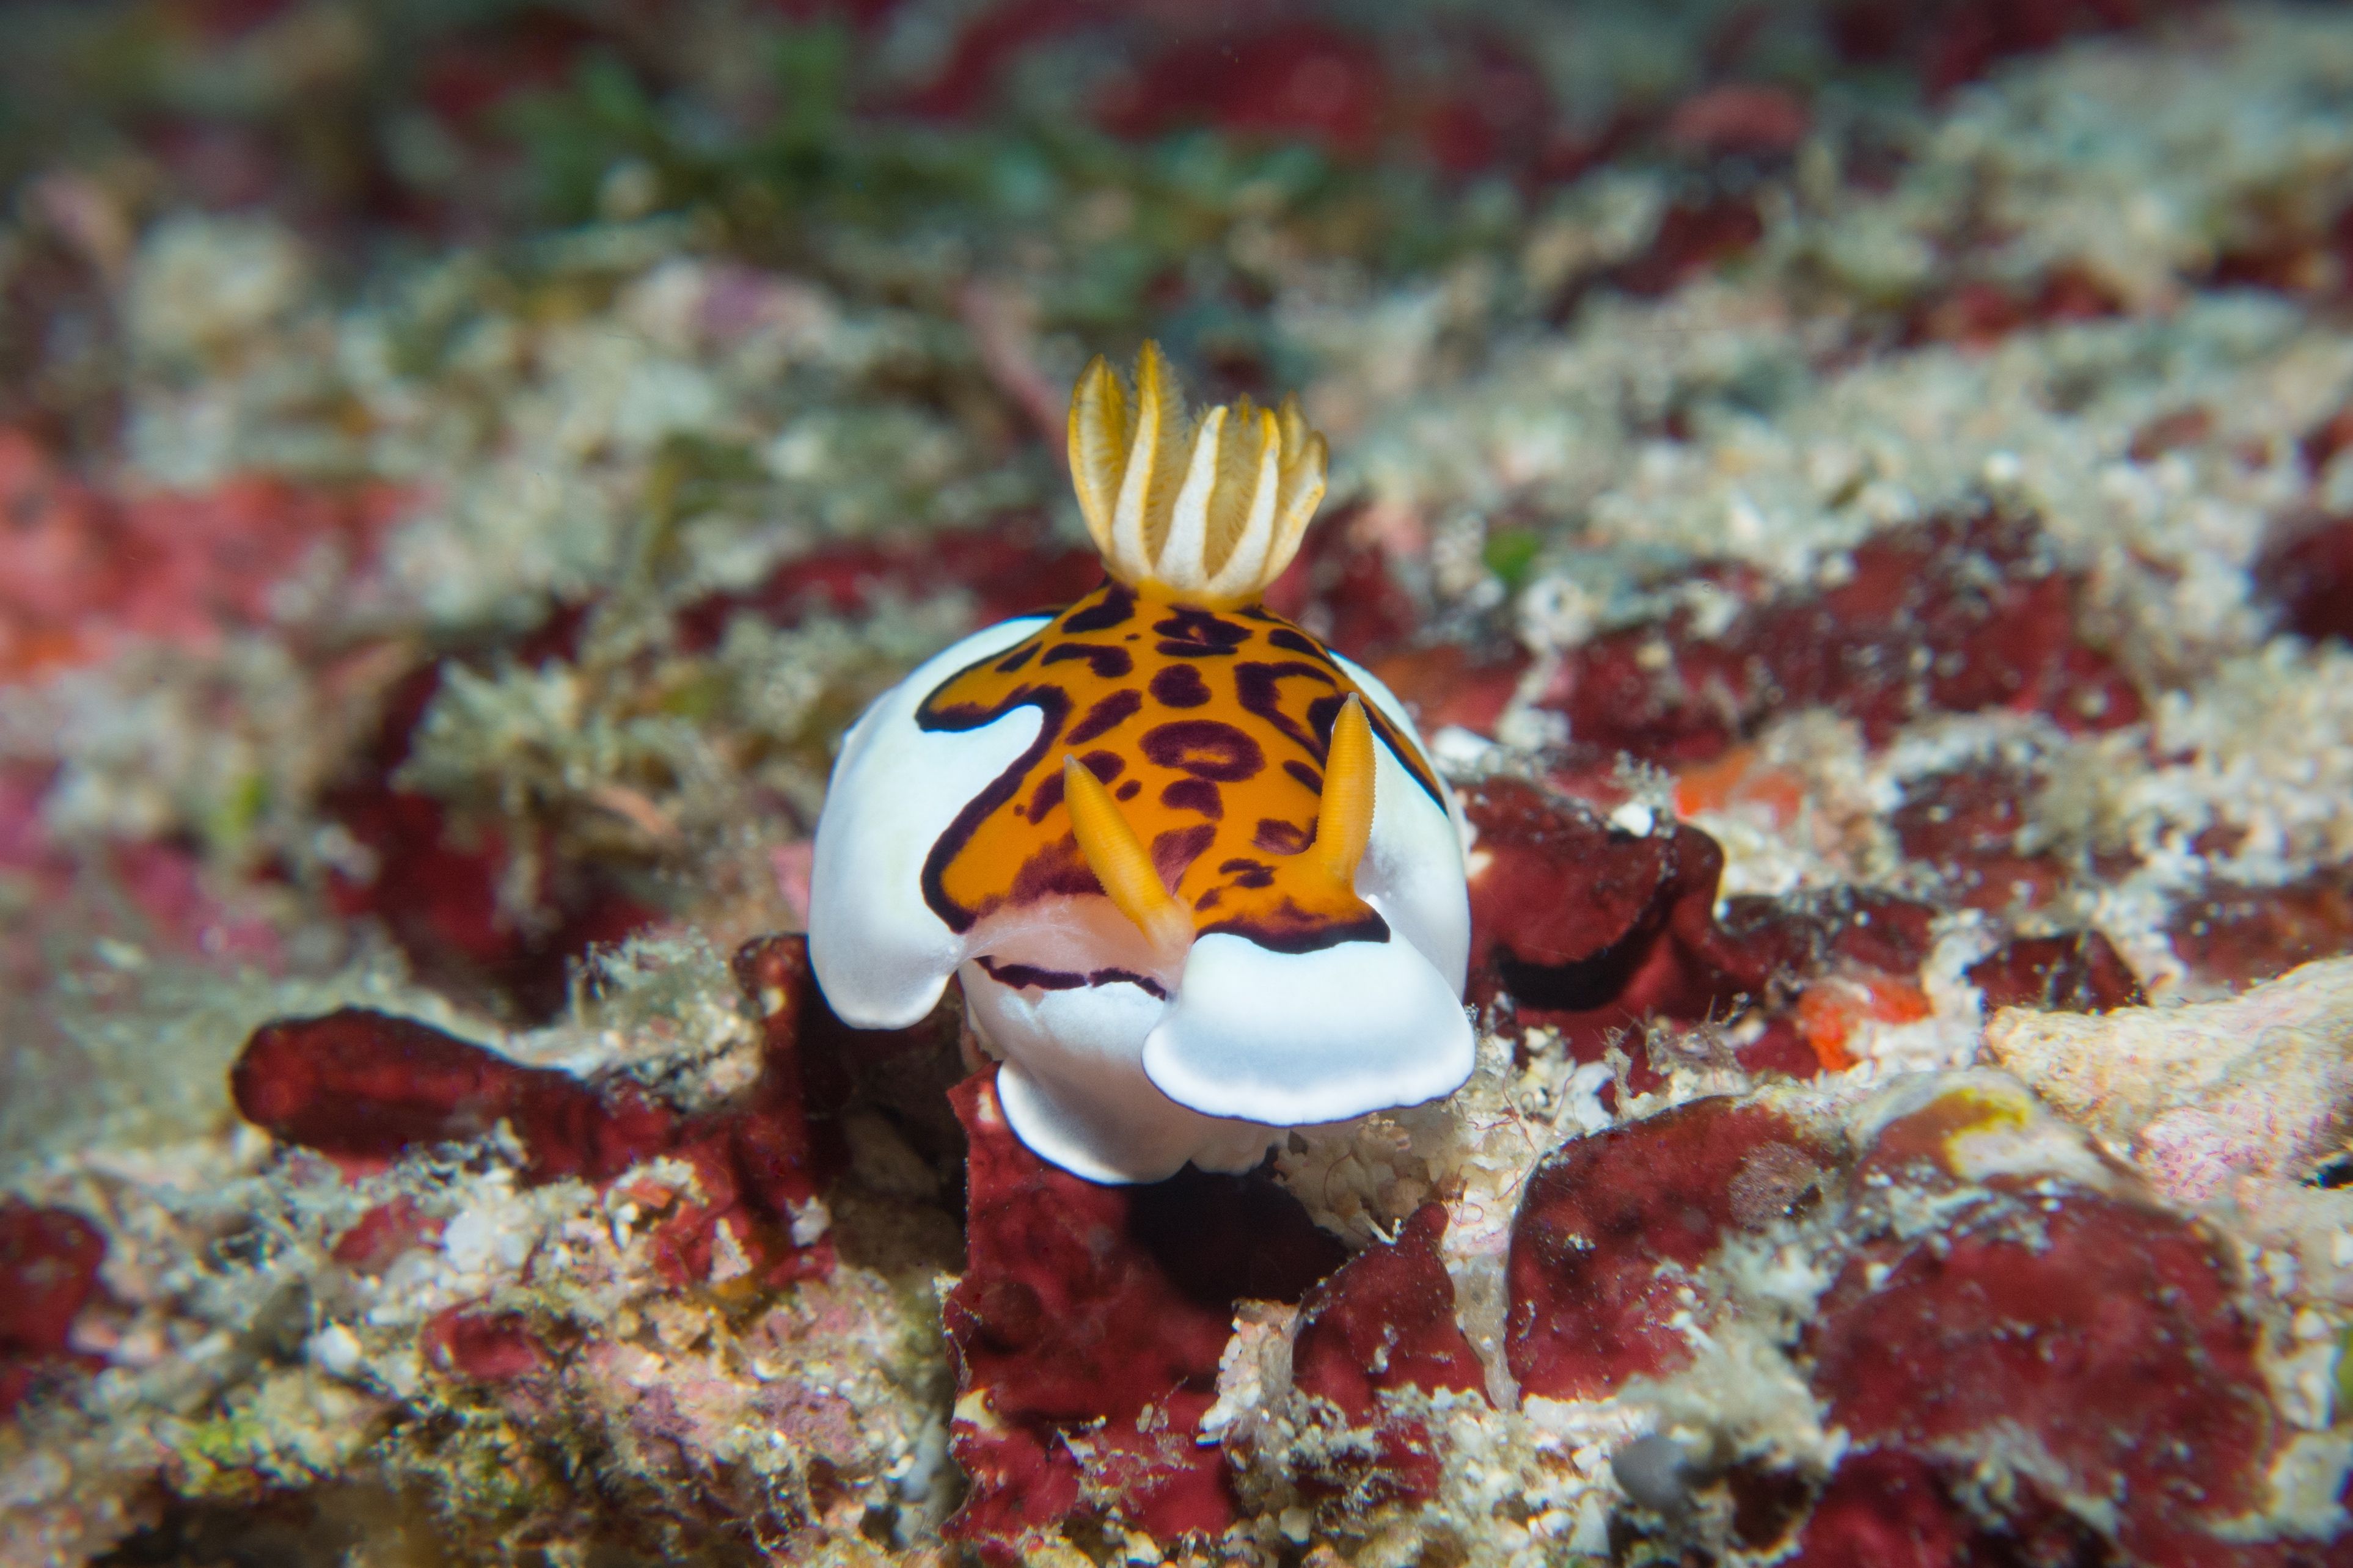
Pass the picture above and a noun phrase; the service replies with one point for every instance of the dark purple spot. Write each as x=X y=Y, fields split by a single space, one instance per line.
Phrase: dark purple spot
x=1210 y=899
x=1045 y=797
x=1175 y=850
x=1291 y=641
x=1407 y=756
x=1108 y=660
x=1322 y=712
x=1106 y=976
x=1058 y=868
x=1247 y=872
x=1129 y=790
x=1290 y=929
x=1259 y=686
x=1105 y=716
x=1029 y=976
x=1306 y=775
x=1019 y=657
x=1188 y=633
x=1277 y=836
x=1195 y=795
x=1054 y=705
x=1116 y=607
x=1206 y=748
x=1104 y=765
x=1180 y=686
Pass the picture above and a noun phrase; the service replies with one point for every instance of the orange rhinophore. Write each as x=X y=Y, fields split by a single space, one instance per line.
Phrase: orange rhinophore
x=1195 y=871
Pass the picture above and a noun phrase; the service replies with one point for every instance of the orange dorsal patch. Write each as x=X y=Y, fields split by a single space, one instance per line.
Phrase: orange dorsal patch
x=1209 y=729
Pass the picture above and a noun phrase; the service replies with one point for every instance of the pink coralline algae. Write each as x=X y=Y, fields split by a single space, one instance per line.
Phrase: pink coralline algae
x=382 y=1233
x=49 y=1273
x=1958 y=615
x=1966 y=826
x=365 y=1087
x=1298 y=79
x=2307 y=571
x=1449 y=685
x=1950 y=42
x=1342 y=586
x=83 y=570
x=1888 y=1509
x=1086 y=1333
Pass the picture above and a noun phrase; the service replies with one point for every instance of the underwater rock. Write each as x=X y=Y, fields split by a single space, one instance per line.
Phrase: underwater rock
x=2202 y=1096
x=1087 y=1331
x=1942 y=500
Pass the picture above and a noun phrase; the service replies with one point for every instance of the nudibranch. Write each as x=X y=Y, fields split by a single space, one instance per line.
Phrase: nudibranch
x=1193 y=870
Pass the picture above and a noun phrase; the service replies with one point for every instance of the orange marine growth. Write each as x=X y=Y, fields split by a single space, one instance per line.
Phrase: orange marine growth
x=1211 y=734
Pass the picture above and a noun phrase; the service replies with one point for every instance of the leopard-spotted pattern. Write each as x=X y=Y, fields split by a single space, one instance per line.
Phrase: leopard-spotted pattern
x=1209 y=728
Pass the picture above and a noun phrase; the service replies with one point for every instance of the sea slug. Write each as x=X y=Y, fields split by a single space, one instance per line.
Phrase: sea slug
x=1194 y=870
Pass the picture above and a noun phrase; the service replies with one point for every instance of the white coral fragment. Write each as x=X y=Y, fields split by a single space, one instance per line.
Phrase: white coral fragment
x=2258 y=1086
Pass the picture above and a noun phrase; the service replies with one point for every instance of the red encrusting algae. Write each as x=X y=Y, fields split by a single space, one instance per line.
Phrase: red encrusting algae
x=365 y=1087
x=1086 y=1333
x=1385 y=1321
x=49 y=1260
x=1614 y=1227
